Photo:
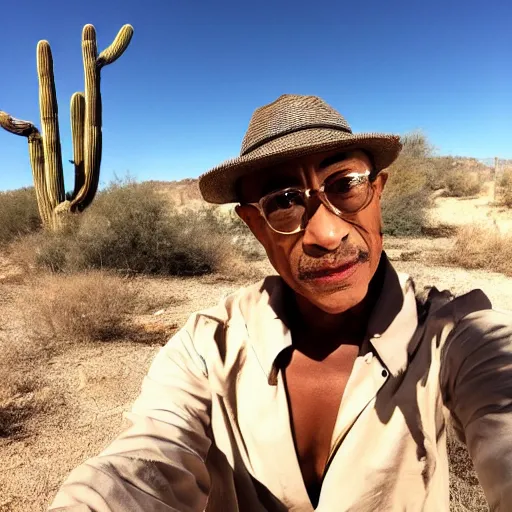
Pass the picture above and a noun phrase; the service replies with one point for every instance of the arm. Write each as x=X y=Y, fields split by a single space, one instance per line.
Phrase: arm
x=477 y=382
x=158 y=463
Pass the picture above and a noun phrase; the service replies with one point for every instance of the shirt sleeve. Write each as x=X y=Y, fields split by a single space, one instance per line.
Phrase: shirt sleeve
x=158 y=463
x=477 y=382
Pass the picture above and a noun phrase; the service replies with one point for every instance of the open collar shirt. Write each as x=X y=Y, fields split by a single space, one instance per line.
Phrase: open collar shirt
x=211 y=429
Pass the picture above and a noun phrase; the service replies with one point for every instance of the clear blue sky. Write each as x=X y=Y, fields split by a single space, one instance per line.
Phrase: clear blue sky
x=180 y=98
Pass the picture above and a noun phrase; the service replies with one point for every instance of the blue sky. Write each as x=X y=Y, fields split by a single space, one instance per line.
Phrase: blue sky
x=180 y=98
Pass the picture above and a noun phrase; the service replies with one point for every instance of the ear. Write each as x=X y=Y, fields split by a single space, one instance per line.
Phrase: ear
x=252 y=217
x=380 y=182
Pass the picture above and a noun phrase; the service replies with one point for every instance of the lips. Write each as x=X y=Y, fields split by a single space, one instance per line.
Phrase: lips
x=338 y=271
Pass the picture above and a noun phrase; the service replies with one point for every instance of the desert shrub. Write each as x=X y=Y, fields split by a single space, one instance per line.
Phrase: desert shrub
x=90 y=306
x=131 y=228
x=462 y=183
x=506 y=189
x=19 y=214
x=477 y=246
x=406 y=195
x=228 y=223
x=437 y=170
x=457 y=177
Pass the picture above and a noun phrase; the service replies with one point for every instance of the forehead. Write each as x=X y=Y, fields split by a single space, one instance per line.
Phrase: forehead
x=252 y=187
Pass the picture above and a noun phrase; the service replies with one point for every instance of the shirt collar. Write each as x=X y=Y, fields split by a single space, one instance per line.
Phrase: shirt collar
x=264 y=316
x=394 y=319
x=391 y=326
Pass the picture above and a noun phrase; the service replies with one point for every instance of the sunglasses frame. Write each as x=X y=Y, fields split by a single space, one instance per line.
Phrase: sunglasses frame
x=308 y=193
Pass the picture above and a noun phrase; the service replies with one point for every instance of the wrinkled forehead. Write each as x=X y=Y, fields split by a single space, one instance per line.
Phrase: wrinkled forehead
x=252 y=187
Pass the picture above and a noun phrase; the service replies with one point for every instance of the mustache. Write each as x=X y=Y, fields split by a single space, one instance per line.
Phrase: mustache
x=309 y=267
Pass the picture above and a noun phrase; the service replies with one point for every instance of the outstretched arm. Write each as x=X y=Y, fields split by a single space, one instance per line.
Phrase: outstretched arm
x=158 y=463
x=477 y=381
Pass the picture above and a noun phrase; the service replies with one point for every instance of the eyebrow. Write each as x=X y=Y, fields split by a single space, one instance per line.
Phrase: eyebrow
x=279 y=183
x=334 y=159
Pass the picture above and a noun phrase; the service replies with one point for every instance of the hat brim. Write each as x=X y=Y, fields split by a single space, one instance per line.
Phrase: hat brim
x=218 y=185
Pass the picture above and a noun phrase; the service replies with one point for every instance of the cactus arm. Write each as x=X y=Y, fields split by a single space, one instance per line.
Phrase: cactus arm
x=36 y=153
x=77 y=132
x=50 y=125
x=117 y=48
x=16 y=126
x=92 y=124
x=93 y=118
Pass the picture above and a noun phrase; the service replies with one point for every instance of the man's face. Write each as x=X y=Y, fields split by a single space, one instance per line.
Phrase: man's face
x=331 y=262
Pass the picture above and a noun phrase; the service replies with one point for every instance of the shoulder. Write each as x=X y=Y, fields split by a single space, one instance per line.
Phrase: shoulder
x=482 y=328
x=480 y=337
x=234 y=309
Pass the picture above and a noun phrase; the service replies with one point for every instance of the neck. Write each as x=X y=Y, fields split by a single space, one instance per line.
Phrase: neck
x=311 y=323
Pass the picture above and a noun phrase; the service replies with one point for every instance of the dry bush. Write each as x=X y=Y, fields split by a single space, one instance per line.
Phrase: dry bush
x=230 y=225
x=457 y=176
x=477 y=246
x=506 y=189
x=131 y=228
x=63 y=308
x=406 y=195
x=462 y=183
x=18 y=214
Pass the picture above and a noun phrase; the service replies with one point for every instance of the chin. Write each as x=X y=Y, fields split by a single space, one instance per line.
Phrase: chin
x=337 y=302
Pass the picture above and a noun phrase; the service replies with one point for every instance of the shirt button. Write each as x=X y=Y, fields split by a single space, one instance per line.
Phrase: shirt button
x=377 y=335
x=384 y=373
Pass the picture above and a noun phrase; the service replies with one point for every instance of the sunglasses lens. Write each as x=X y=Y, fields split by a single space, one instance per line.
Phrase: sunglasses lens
x=348 y=193
x=285 y=210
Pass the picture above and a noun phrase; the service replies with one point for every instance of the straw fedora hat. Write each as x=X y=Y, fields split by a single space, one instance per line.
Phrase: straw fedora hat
x=290 y=127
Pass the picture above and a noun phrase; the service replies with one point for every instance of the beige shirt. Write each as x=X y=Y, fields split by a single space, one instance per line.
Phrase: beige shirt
x=211 y=427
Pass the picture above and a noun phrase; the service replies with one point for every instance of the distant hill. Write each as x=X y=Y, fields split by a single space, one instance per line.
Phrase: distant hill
x=185 y=192
x=180 y=193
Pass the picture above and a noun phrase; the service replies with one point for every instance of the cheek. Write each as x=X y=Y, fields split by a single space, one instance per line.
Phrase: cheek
x=369 y=225
x=282 y=252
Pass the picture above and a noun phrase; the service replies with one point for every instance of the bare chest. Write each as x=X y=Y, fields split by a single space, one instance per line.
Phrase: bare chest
x=315 y=390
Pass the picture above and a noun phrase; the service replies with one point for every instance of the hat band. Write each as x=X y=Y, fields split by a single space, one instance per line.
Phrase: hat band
x=262 y=142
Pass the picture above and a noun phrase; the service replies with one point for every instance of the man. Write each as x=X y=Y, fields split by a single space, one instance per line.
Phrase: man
x=329 y=387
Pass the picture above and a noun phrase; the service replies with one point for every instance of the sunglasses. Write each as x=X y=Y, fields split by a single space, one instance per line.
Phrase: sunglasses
x=287 y=211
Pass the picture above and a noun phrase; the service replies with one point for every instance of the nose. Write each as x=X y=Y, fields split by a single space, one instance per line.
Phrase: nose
x=324 y=232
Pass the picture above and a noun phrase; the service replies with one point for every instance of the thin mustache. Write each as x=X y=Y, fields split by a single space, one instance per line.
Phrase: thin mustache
x=309 y=269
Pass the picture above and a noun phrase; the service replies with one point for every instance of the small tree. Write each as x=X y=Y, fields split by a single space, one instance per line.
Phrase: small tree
x=45 y=148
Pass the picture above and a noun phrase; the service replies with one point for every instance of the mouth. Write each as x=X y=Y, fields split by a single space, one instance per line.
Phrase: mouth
x=333 y=274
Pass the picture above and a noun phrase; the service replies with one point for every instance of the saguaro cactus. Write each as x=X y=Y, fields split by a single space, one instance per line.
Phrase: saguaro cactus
x=45 y=149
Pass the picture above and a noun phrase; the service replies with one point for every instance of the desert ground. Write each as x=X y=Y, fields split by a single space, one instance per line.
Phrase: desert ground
x=92 y=384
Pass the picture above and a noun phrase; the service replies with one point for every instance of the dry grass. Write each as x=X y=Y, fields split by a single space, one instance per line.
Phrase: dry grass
x=482 y=248
x=91 y=306
x=58 y=311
